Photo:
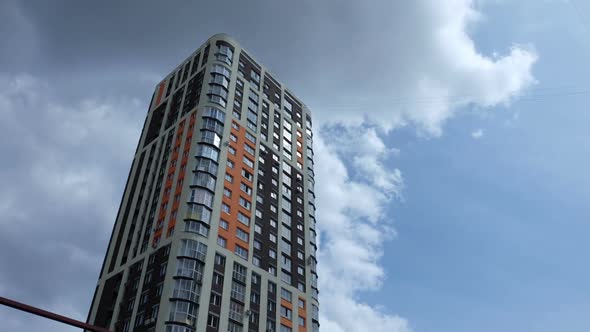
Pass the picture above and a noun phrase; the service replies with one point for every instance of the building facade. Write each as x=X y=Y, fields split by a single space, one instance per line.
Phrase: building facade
x=216 y=228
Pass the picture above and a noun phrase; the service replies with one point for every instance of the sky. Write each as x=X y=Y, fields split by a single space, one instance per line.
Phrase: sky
x=451 y=150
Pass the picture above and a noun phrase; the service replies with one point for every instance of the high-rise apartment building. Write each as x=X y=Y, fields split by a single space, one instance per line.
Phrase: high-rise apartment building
x=216 y=227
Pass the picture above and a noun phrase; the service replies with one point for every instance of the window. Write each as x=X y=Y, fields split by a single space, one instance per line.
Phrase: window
x=248 y=162
x=272 y=253
x=300 y=270
x=299 y=240
x=273 y=223
x=286 y=191
x=255 y=76
x=273 y=238
x=285 y=232
x=217 y=279
x=243 y=219
x=207 y=151
x=222 y=70
x=257 y=228
x=241 y=252
x=245 y=203
x=221 y=241
x=193 y=249
x=226 y=192
x=219 y=259
x=300 y=255
x=155 y=310
x=233 y=137
x=285 y=277
x=301 y=321
x=211 y=138
x=183 y=311
x=189 y=268
x=215 y=299
x=233 y=327
x=286 y=218
x=286 y=263
x=212 y=321
x=201 y=196
x=300 y=227
x=246 y=189
x=249 y=149
x=204 y=180
x=206 y=165
x=163 y=269
x=225 y=208
x=285 y=294
x=254 y=295
x=250 y=137
x=286 y=312
x=139 y=318
x=242 y=235
x=257 y=244
x=159 y=289
x=186 y=289
x=148 y=277
x=231 y=150
x=256 y=261
x=230 y=163
x=247 y=175
x=301 y=304
x=238 y=291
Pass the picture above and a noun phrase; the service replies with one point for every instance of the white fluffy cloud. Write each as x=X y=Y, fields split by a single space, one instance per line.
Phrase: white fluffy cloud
x=437 y=70
x=350 y=216
x=422 y=66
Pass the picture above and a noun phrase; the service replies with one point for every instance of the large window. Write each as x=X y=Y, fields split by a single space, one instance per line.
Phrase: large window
x=242 y=235
x=222 y=70
x=238 y=291
x=196 y=227
x=211 y=138
x=243 y=219
x=186 y=289
x=286 y=312
x=215 y=113
x=204 y=180
x=240 y=272
x=207 y=151
x=214 y=125
x=194 y=249
x=206 y=165
x=285 y=294
x=184 y=312
x=190 y=268
x=201 y=196
x=199 y=212
x=224 y=54
x=236 y=311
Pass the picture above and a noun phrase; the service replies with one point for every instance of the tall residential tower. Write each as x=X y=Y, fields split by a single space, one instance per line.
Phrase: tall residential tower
x=216 y=227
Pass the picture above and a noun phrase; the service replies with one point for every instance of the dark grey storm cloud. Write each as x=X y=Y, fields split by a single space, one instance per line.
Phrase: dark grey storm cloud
x=303 y=40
